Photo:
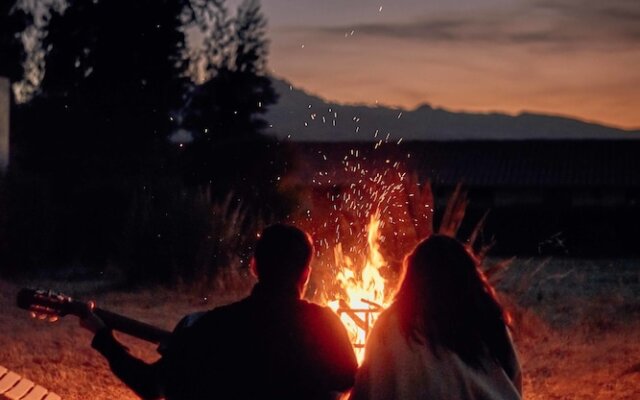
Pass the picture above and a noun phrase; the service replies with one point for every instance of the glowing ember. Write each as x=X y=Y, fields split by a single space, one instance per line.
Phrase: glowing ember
x=363 y=287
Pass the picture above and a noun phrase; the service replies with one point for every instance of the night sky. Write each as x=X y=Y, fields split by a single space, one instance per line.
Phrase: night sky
x=579 y=58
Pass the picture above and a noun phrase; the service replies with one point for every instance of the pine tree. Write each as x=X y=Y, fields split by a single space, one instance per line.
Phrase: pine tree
x=251 y=45
x=230 y=151
x=13 y=21
x=114 y=71
x=96 y=127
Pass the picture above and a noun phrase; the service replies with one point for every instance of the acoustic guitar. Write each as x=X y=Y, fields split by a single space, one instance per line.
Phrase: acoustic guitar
x=52 y=305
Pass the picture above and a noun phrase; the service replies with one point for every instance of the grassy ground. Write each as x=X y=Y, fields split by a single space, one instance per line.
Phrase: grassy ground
x=577 y=330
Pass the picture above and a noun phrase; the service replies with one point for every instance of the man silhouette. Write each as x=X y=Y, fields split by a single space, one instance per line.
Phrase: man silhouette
x=270 y=345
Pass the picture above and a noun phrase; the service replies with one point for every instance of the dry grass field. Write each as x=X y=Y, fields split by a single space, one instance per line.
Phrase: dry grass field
x=577 y=330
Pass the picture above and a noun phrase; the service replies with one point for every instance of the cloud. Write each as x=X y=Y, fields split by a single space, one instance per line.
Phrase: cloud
x=596 y=19
x=565 y=24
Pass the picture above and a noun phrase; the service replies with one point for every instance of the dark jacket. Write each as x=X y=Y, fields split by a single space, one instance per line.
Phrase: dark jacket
x=271 y=345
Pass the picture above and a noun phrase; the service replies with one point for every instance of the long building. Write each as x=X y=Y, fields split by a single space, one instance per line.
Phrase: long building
x=575 y=198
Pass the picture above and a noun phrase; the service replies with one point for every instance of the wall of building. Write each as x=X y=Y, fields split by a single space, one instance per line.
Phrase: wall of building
x=5 y=87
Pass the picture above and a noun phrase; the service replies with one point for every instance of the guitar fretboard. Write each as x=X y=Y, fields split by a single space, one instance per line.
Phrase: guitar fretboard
x=15 y=387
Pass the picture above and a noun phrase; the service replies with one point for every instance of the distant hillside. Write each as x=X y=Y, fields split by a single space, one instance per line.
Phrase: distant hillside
x=307 y=118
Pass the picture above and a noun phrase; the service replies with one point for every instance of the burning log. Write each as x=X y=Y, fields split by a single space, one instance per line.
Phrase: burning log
x=364 y=324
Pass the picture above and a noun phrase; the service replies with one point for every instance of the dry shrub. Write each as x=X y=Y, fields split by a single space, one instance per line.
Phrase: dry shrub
x=180 y=237
x=525 y=322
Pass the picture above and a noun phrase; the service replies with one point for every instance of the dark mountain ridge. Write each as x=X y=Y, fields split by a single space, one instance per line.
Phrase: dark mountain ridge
x=303 y=117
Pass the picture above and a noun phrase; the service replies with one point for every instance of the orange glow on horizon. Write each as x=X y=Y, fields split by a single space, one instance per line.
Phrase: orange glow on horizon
x=465 y=77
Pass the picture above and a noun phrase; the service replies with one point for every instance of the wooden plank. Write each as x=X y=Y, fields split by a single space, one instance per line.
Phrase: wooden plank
x=8 y=381
x=37 y=393
x=14 y=387
x=19 y=390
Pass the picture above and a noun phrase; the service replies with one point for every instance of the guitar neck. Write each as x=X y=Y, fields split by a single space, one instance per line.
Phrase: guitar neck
x=132 y=327
x=47 y=302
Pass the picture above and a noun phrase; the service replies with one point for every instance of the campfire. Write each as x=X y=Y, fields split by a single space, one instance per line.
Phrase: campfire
x=367 y=292
x=362 y=217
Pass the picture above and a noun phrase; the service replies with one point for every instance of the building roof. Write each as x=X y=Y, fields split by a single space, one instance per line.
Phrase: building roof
x=587 y=164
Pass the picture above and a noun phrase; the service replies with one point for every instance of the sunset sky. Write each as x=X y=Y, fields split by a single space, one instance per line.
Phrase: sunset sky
x=579 y=58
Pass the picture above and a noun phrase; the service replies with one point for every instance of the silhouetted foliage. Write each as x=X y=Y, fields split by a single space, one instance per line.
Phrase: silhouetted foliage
x=13 y=21
x=97 y=175
x=175 y=235
x=164 y=233
x=98 y=123
x=229 y=150
x=114 y=71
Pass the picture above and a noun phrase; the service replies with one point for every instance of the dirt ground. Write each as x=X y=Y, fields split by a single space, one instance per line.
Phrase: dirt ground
x=577 y=330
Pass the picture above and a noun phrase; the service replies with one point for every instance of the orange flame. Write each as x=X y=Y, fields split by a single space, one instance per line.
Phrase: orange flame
x=364 y=288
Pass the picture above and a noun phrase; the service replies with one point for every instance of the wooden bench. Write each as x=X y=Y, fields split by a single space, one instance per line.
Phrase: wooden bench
x=15 y=387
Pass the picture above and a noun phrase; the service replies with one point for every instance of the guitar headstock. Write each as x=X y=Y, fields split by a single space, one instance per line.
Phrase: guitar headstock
x=50 y=305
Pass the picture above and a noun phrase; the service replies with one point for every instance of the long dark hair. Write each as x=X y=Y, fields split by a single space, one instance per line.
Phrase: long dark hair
x=445 y=299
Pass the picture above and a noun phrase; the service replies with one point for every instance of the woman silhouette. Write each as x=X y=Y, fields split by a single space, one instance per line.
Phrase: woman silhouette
x=444 y=337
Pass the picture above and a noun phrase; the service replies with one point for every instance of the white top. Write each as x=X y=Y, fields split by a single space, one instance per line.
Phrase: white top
x=395 y=368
